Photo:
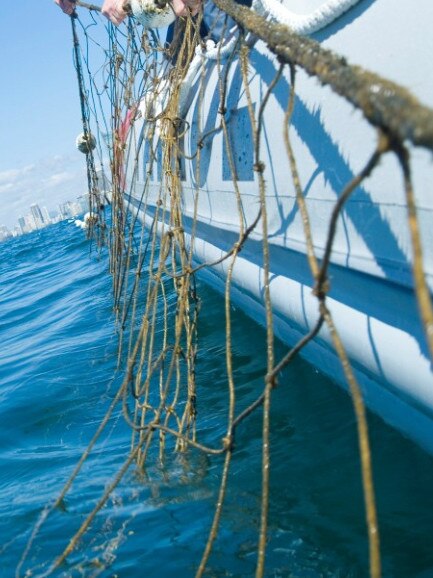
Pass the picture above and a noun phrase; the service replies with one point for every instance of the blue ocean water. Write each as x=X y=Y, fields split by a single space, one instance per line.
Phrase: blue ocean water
x=57 y=378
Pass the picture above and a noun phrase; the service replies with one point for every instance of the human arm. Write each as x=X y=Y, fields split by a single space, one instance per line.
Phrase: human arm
x=68 y=6
x=114 y=11
x=182 y=7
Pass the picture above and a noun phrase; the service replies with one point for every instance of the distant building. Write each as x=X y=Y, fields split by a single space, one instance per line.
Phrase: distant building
x=70 y=209
x=38 y=216
x=55 y=217
x=76 y=209
x=46 y=215
x=22 y=225
x=30 y=223
x=83 y=201
x=63 y=211
x=4 y=233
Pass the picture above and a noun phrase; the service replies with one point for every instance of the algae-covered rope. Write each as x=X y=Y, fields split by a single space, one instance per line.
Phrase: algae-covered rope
x=383 y=103
x=421 y=288
x=93 y=7
x=321 y=289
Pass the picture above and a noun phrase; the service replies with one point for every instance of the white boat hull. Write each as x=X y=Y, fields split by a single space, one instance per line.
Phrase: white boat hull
x=371 y=289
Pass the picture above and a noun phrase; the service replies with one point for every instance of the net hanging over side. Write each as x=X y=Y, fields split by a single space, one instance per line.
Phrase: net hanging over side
x=186 y=130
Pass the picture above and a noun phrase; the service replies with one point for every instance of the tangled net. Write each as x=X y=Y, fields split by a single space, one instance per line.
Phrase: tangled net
x=135 y=103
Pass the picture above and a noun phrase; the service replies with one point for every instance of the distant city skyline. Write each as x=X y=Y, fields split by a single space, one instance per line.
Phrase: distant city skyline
x=41 y=111
x=39 y=217
x=36 y=215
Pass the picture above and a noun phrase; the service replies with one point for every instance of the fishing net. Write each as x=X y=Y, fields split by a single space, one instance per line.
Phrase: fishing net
x=135 y=91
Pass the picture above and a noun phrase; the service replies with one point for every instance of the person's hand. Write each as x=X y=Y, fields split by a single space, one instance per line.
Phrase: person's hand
x=113 y=10
x=183 y=7
x=66 y=5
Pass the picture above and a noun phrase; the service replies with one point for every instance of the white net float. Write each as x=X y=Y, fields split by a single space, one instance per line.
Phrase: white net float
x=85 y=143
x=150 y=15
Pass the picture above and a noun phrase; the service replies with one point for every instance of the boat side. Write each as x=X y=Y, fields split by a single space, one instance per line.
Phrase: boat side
x=371 y=291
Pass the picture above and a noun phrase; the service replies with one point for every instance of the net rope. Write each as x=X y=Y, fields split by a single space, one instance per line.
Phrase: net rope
x=152 y=259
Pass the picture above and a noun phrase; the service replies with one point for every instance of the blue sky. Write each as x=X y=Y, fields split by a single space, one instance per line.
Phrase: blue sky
x=40 y=113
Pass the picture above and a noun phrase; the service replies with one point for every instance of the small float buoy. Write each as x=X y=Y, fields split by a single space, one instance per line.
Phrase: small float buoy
x=85 y=142
x=89 y=219
x=151 y=15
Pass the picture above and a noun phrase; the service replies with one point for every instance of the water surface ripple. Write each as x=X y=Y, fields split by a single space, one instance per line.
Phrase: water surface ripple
x=57 y=379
